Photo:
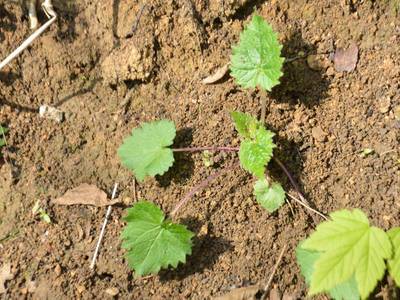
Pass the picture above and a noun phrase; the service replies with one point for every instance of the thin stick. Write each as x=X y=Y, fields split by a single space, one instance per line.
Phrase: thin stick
x=134 y=191
x=274 y=270
x=27 y=42
x=96 y=251
x=198 y=188
x=196 y=149
x=292 y=181
x=306 y=206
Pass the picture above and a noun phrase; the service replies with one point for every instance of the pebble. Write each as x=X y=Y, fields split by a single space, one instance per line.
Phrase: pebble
x=317 y=62
x=384 y=105
x=112 y=291
x=318 y=134
x=57 y=270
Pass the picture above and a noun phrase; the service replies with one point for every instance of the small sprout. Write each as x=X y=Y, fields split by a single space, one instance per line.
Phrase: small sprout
x=3 y=131
x=208 y=159
x=37 y=210
x=367 y=151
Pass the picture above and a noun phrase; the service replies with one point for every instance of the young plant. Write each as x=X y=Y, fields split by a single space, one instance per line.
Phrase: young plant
x=256 y=61
x=3 y=131
x=346 y=256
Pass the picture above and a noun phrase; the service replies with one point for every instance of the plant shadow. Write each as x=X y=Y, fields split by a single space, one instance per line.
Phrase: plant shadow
x=183 y=167
x=7 y=22
x=300 y=83
x=68 y=12
x=205 y=253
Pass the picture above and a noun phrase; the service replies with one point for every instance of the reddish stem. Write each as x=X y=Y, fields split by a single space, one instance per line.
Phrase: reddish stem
x=212 y=148
x=203 y=184
x=292 y=181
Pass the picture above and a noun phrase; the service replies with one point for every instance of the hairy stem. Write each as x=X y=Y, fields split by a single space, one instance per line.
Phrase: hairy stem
x=263 y=109
x=203 y=184
x=196 y=149
x=292 y=181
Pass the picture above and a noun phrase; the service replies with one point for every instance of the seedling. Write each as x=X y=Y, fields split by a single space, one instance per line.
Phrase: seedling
x=256 y=61
x=153 y=243
x=147 y=152
x=346 y=256
x=3 y=131
x=43 y=215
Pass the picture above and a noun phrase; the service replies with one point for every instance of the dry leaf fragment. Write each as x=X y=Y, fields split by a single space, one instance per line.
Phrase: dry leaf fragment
x=5 y=274
x=217 y=75
x=346 y=59
x=87 y=194
x=244 y=293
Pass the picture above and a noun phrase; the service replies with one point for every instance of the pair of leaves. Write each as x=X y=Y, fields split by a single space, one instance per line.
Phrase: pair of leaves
x=146 y=151
x=347 y=251
x=153 y=242
x=256 y=61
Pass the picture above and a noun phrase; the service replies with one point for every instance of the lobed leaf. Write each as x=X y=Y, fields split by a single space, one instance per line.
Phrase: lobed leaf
x=153 y=242
x=257 y=145
x=349 y=246
x=256 y=60
x=306 y=260
x=271 y=197
x=145 y=152
x=394 y=263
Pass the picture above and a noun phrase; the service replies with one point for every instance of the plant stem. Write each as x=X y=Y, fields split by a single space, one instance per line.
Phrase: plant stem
x=292 y=181
x=212 y=148
x=263 y=106
x=199 y=187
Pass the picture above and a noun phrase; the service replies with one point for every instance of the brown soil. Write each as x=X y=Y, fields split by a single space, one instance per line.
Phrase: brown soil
x=323 y=120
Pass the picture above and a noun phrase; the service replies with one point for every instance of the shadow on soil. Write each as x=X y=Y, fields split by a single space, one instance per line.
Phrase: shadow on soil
x=7 y=22
x=183 y=167
x=300 y=83
x=205 y=253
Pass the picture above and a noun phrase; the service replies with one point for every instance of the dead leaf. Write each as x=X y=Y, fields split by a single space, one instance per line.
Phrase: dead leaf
x=87 y=194
x=5 y=274
x=346 y=59
x=244 y=293
x=217 y=75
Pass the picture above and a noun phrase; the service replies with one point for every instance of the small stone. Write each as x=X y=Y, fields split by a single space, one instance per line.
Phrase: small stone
x=318 y=134
x=203 y=230
x=384 y=105
x=52 y=113
x=397 y=112
x=112 y=291
x=57 y=270
x=80 y=289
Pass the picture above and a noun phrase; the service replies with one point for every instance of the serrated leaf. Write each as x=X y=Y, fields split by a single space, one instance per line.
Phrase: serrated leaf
x=256 y=60
x=254 y=154
x=245 y=124
x=394 y=263
x=306 y=260
x=271 y=197
x=145 y=152
x=349 y=245
x=153 y=242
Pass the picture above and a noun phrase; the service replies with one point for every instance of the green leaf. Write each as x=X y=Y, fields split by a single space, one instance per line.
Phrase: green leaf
x=257 y=145
x=245 y=124
x=257 y=60
x=2 y=142
x=271 y=197
x=152 y=242
x=394 y=263
x=145 y=152
x=349 y=246
x=3 y=130
x=306 y=260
